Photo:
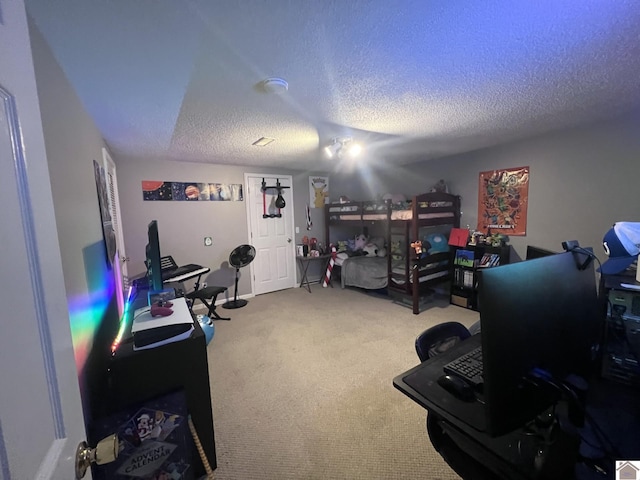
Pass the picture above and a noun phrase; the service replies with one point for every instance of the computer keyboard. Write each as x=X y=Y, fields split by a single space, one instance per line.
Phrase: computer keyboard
x=468 y=366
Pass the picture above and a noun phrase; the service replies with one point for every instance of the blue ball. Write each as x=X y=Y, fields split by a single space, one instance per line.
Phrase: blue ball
x=207 y=326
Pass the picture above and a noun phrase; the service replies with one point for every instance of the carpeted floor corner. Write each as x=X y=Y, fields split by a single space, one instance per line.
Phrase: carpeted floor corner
x=301 y=388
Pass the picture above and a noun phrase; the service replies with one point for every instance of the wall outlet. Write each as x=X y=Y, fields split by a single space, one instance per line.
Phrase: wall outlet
x=203 y=285
x=208 y=241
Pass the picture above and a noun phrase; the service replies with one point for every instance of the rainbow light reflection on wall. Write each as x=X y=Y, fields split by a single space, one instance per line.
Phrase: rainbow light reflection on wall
x=86 y=313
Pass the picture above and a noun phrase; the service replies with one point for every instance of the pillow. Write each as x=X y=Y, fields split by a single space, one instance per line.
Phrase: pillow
x=395 y=197
x=377 y=241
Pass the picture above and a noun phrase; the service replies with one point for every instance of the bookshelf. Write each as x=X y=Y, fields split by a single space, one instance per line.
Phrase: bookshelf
x=467 y=261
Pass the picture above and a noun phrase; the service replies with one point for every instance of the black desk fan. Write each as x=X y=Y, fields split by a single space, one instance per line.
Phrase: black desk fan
x=241 y=256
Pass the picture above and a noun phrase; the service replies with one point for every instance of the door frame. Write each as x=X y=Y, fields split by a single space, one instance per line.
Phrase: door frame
x=120 y=270
x=287 y=211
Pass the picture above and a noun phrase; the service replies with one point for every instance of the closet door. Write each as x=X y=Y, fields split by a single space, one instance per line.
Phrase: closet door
x=120 y=259
x=274 y=266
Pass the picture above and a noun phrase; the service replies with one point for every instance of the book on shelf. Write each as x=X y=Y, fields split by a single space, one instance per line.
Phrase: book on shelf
x=464 y=258
x=463 y=278
x=468 y=279
x=489 y=260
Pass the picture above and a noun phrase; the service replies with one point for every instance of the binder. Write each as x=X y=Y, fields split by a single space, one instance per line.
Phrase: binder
x=459 y=237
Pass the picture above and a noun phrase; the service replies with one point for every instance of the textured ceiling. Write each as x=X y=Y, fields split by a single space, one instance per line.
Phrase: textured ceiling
x=413 y=80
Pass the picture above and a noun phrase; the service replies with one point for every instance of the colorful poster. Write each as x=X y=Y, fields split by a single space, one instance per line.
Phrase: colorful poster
x=154 y=441
x=186 y=191
x=154 y=190
x=502 y=201
x=318 y=191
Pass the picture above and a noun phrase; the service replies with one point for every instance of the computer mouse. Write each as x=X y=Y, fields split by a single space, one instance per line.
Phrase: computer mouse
x=457 y=387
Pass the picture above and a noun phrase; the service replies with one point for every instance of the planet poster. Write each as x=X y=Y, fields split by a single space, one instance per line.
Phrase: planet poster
x=158 y=190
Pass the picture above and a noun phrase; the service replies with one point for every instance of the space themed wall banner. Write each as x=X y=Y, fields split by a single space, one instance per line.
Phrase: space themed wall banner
x=155 y=190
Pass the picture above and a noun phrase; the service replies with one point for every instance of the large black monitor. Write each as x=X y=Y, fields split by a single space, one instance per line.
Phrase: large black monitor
x=544 y=314
x=152 y=254
x=537 y=252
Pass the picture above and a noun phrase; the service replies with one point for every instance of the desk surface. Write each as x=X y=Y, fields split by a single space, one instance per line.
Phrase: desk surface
x=615 y=407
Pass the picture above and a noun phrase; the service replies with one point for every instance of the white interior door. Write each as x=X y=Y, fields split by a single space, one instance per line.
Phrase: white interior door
x=274 y=266
x=41 y=420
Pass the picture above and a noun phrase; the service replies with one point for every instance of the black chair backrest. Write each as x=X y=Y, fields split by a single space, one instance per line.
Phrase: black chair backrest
x=439 y=338
x=167 y=263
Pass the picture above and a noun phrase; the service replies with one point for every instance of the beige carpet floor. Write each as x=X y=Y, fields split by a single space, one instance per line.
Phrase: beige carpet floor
x=302 y=388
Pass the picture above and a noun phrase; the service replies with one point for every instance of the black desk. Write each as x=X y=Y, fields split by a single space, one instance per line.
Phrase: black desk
x=138 y=375
x=616 y=408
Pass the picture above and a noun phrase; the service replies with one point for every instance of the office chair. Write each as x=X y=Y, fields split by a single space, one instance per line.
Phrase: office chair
x=439 y=338
x=431 y=342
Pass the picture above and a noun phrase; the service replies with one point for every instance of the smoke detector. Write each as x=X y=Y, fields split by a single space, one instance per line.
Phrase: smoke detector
x=275 y=85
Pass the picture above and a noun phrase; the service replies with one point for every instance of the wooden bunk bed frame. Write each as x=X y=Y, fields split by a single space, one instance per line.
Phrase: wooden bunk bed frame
x=415 y=276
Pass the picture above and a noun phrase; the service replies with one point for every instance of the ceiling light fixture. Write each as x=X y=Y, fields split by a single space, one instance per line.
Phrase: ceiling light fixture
x=263 y=141
x=275 y=85
x=342 y=147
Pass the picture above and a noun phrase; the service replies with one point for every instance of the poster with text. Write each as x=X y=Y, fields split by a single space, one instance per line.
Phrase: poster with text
x=318 y=191
x=502 y=201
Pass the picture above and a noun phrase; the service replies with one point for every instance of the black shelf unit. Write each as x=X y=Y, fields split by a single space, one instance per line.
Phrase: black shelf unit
x=464 y=275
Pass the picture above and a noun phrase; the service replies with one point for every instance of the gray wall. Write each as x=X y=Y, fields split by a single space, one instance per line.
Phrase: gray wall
x=581 y=181
x=183 y=225
x=72 y=142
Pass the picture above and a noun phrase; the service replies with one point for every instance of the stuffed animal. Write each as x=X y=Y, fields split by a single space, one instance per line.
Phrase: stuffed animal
x=370 y=249
x=441 y=186
x=360 y=242
x=382 y=252
x=436 y=243
x=396 y=251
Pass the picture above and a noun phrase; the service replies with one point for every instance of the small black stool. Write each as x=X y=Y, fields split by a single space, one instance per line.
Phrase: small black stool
x=208 y=296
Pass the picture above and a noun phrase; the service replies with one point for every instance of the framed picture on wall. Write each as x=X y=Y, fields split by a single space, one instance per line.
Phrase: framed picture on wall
x=108 y=231
x=502 y=201
x=318 y=191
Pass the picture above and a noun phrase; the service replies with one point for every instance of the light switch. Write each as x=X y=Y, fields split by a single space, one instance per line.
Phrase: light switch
x=297 y=229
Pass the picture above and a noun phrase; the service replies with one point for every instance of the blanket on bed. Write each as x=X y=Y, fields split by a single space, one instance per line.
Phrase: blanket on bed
x=364 y=272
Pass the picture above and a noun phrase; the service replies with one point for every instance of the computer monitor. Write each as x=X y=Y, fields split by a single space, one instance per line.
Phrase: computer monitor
x=537 y=252
x=152 y=255
x=542 y=313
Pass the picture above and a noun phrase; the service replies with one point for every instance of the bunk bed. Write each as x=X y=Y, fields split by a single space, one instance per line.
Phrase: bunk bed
x=407 y=275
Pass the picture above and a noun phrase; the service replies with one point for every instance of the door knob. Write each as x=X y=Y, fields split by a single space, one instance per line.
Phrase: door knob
x=105 y=452
x=288 y=240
